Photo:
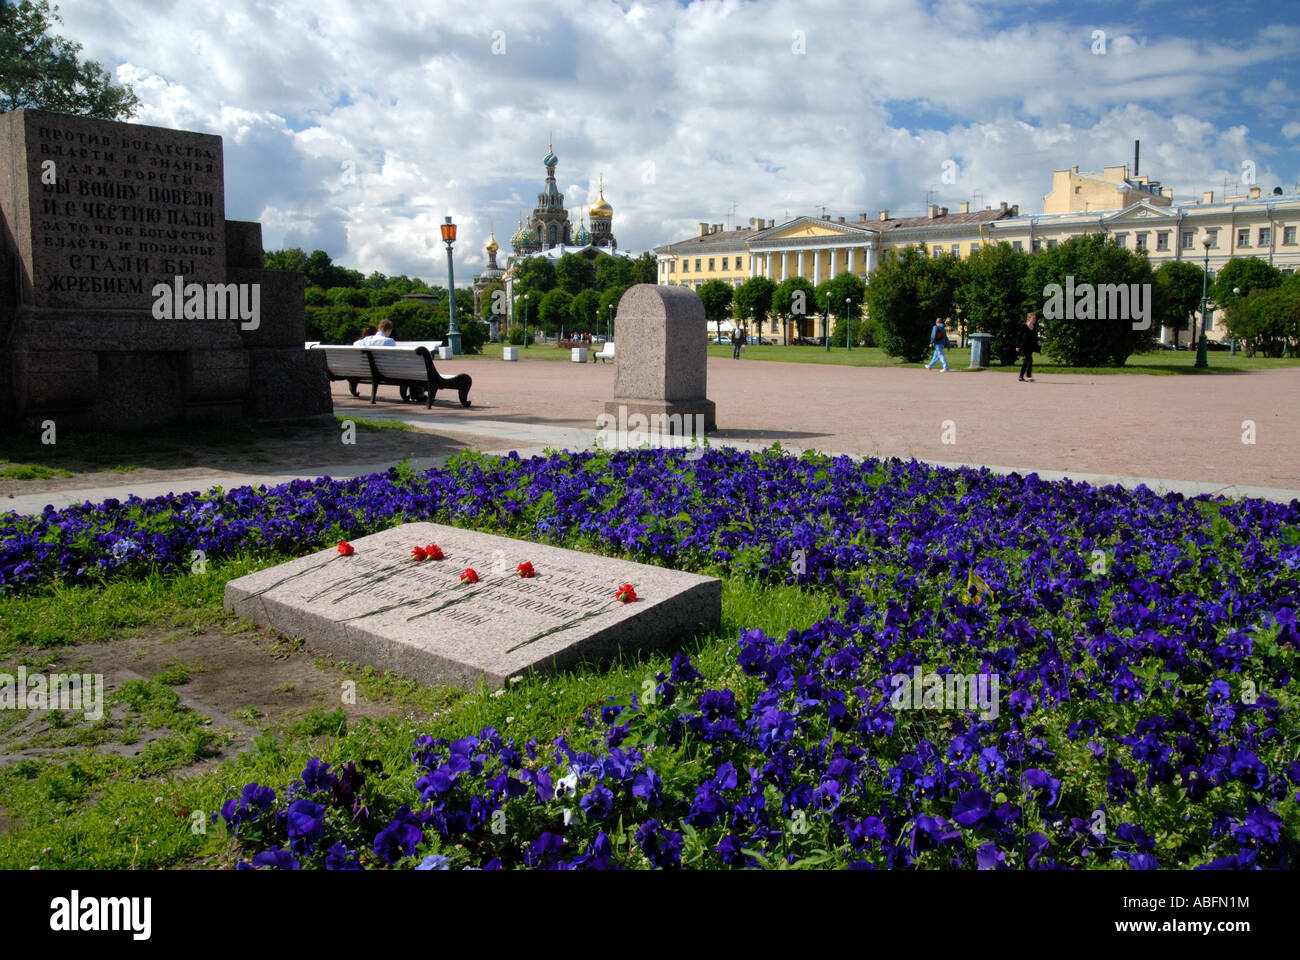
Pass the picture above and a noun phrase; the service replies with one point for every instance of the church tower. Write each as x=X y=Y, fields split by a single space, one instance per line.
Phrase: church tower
x=602 y=221
x=550 y=221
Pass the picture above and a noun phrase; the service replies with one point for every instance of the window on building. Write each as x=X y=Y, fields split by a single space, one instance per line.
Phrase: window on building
x=686 y=266
x=1243 y=237
x=724 y=263
x=672 y=266
x=956 y=249
x=938 y=250
x=1265 y=236
x=1214 y=238
x=712 y=266
x=974 y=249
x=1036 y=246
x=1189 y=239
x=1141 y=241
x=1051 y=244
x=1121 y=240
x=697 y=265
x=1288 y=236
x=740 y=263
x=1162 y=240
x=1017 y=245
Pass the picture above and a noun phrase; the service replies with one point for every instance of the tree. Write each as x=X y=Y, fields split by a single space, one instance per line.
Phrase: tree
x=1267 y=319
x=1245 y=274
x=990 y=296
x=614 y=272
x=1102 y=278
x=608 y=311
x=645 y=268
x=292 y=259
x=493 y=294
x=795 y=297
x=575 y=274
x=1179 y=283
x=716 y=296
x=906 y=295
x=844 y=295
x=535 y=276
x=585 y=307
x=556 y=310
x=39 y=70
x=753 y=300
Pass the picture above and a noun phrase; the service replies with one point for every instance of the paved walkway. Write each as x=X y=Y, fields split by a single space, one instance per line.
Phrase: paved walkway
x=1180 y=433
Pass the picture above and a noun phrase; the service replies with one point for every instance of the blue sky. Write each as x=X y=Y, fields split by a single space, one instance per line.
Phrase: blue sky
x=355 y=127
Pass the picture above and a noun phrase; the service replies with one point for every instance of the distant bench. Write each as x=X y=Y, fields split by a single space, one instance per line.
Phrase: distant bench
x=606 y=352
x=396 y=366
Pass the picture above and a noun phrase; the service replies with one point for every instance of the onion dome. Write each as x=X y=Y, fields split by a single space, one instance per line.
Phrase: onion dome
x=492 y=246
x=550 y=159
x=601 y=210
x=523 y=236
x=581 y=237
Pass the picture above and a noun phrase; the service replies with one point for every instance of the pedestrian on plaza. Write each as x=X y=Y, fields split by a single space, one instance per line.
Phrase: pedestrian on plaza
x=736 y=341
x=938 y=340
x=1028 y=344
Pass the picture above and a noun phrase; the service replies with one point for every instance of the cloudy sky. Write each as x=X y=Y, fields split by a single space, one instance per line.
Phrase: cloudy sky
x=356 y=126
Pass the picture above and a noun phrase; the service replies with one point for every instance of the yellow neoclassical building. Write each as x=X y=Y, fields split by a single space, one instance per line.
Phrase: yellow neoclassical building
x=1137 y=212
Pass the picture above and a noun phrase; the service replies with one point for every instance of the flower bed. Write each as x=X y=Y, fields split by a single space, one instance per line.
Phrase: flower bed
x=1142 y=647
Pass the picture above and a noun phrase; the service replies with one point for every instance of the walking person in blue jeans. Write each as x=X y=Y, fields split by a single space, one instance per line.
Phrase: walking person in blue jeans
x=938 y=340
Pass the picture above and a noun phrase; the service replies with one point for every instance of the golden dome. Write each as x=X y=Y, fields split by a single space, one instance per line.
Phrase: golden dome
x=492 y=243
x=601 y=210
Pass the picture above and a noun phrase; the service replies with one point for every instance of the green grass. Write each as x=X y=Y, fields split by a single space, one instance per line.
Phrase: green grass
x=101 y=811
x=1158 y=362
x=32 y=471
x=538 y=351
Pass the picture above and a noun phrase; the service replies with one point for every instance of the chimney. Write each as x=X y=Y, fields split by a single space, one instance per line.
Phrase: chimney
x=884 y=215
x=704 y=229
x=1254 y=192
x=1207 y=196
x=863 y=216
x=1167 y=192
x=943 y=211
x=842 y=219
x=932 y=211
x=1004 y=205
x=965 y=207
x=1015 y=210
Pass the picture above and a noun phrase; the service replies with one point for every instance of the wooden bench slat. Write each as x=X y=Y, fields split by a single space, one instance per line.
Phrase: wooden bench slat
x=396 y=366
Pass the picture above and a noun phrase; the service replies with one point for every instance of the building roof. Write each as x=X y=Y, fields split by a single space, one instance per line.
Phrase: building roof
x=945 y=220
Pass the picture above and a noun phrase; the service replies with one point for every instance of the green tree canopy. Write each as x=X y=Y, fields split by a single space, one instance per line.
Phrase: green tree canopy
x=753 y=300
x=1095 y=329
x=794 y=297
x=535 y=276
x=39 y=69
x=645 y=269
x=609 y=297
x=990 y=296
x=556 y=310
x=575 y=274
x=716 y=296
x=906 y=295
x=493 y=294
x=1179 y=283
x=614 y=272
x=1268 y=319
x=1245 y=274
x=584 y=309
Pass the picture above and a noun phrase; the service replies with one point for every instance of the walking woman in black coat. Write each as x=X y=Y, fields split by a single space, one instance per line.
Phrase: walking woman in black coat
x=1028 y=344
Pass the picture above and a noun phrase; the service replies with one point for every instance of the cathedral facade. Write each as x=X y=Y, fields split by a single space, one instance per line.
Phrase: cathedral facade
x=549 y=230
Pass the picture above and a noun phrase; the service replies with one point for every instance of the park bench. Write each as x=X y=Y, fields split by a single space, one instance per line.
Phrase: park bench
x=605 y=353
x=396 y=366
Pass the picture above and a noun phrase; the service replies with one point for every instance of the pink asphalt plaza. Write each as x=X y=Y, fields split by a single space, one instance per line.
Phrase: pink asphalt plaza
x=1183 y=428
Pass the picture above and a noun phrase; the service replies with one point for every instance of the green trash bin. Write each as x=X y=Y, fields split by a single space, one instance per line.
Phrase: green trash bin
x=980 y=346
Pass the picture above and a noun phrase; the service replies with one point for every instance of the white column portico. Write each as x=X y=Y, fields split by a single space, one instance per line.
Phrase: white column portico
x=852 y=251
x=767 y=265
x=799 y=264
x=785 y=264
x=817 y=268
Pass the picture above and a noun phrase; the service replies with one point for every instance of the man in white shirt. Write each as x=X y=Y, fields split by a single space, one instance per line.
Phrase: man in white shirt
x=381 y=339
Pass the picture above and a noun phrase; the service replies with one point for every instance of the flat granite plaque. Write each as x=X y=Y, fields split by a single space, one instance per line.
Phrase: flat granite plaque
x=378 y=606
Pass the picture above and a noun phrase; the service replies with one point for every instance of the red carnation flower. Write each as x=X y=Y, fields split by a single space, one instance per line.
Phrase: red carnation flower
x=433 y=552
x=418 y=554
x=346 y=548
x=469 y=576
x=525 y=569
x=626 y=593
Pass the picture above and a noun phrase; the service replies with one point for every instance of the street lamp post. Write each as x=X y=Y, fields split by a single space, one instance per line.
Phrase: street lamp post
x=1202 y=360
x=827 y=329
x=453 y=331
x=525 y=321
x=1236 y=292
x=848 y=322
x=609 y=322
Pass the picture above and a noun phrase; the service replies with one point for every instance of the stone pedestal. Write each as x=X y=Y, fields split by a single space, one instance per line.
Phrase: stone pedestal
x=660 y=368
x=509 y=353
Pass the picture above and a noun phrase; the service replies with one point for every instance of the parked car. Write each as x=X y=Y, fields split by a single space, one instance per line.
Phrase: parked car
x=760 y=340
